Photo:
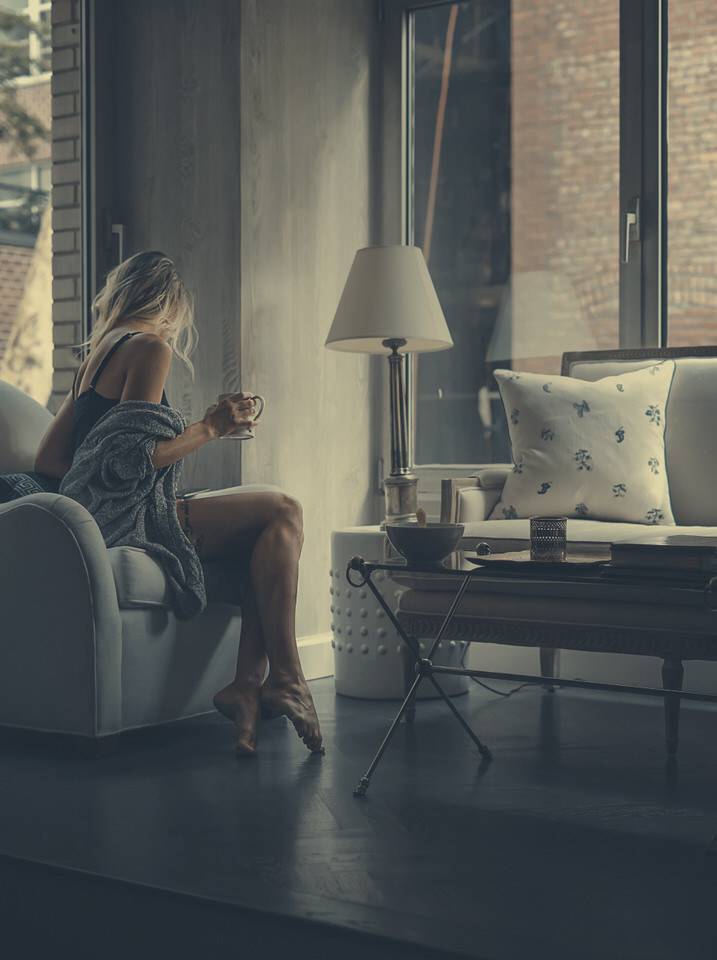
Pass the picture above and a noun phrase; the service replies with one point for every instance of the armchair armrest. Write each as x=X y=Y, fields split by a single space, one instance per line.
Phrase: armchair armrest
x=60 y=627
x=483 y=489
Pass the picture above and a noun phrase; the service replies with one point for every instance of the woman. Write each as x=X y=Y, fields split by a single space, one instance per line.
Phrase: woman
x=142 y=315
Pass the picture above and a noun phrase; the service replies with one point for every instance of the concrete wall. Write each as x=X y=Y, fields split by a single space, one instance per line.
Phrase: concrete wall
x=305 y=178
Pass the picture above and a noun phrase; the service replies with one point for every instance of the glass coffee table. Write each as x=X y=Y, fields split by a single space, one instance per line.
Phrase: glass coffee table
x=588 y=573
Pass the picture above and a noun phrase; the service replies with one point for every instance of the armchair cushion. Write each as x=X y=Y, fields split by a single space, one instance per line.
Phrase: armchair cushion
x=142 y=583
x=491 y=478
x=139 y=578
x=592 y=450
x=23 y=422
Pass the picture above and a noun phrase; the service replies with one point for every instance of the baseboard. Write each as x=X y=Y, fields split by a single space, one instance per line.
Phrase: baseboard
x=700 y=675
x=317 y=658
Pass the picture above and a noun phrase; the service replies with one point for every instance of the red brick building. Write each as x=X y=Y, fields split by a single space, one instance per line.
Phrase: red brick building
x=565 y=158
x=18 y=175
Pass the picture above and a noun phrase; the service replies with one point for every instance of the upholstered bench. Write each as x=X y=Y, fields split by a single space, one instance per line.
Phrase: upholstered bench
x=686 y=444
x=664 y=485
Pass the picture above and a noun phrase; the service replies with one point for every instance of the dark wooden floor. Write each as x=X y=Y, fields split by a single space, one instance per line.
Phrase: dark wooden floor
x=579 y=841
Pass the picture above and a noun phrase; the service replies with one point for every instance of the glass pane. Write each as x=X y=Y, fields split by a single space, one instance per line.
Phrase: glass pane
x=692 y=173
x=514 y=200
x=25 y=230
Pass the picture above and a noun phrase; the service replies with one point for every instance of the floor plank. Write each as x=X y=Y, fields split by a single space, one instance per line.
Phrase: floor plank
x=579 y=839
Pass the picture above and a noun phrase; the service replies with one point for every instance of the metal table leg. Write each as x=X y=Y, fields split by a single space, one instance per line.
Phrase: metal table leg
x=363 y=783
x=482 y=749
x=424 y=667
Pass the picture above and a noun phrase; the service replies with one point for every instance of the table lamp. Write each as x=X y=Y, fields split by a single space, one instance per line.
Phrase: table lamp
x=389 y=306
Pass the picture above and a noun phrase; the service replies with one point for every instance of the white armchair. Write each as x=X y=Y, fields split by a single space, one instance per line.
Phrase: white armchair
x=89 y=645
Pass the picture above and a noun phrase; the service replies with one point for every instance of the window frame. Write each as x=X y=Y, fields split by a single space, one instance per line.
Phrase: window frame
x=643 y=173
x=643 y=170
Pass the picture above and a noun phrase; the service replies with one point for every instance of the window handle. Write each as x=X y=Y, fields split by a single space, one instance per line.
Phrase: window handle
x=118 y=230
x=631 y=231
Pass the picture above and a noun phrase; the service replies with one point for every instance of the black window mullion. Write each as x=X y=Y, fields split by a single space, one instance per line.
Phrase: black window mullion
x=643 y=161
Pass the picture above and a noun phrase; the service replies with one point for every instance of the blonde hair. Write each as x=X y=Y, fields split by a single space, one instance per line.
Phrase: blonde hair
x=147 y=288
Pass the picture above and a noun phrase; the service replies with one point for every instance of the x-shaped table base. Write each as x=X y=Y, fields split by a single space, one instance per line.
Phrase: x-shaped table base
x=424 y=665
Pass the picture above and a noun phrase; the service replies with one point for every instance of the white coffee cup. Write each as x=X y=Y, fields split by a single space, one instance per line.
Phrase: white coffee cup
x=243 y=433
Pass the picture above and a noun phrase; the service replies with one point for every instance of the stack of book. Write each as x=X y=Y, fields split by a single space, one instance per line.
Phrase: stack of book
x=671 y=552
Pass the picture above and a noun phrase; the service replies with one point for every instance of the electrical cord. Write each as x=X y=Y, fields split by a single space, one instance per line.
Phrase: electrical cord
x=500 y=693
x=503 y=693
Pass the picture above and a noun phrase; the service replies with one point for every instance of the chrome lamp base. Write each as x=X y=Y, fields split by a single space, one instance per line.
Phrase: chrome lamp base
x=400 y=487
x=401 y=493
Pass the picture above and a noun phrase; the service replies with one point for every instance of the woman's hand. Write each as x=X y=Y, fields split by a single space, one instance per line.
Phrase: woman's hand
x=234 y=412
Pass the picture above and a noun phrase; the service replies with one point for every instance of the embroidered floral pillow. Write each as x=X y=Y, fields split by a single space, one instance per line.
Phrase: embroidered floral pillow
x=592 y=449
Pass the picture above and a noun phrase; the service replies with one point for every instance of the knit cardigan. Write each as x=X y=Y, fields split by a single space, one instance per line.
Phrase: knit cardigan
x=133 y=503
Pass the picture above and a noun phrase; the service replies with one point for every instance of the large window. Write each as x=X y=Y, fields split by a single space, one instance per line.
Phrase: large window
x=534 y=131
x=513 y=196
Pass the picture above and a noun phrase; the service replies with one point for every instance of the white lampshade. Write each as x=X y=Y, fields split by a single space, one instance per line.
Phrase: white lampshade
x=389 y=295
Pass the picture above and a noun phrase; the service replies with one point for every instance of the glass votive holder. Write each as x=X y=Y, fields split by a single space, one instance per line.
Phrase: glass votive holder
x=548 y=538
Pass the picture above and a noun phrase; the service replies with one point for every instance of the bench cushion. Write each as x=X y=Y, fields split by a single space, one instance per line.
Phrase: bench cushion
x=505 y=535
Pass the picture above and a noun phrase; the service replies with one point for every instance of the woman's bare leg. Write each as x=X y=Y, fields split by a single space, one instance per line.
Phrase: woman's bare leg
x=240 y=700
x=267 y=526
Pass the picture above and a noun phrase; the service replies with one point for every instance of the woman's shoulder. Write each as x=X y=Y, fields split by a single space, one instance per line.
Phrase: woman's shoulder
x=146 y=367
x=150 y=347
x=145 y=340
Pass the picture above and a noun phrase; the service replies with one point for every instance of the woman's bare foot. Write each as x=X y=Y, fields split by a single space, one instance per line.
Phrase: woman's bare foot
x=243 y=706
x=293 y=699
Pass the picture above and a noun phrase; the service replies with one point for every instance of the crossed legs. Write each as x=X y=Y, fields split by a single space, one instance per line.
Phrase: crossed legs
x=268 y=528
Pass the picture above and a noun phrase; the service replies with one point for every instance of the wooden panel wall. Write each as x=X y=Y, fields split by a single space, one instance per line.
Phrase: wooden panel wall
x=237 y=137
x=306 y=186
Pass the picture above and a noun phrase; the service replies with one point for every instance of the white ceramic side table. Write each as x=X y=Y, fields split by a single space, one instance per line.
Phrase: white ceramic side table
x=369 y=659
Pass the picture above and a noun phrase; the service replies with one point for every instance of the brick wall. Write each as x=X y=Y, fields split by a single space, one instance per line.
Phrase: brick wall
x=565 y=154
x=692 y=181
x=15 y=259
x=32 y=96
x=14 y=264
x=565 y=130
x=66 y=194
